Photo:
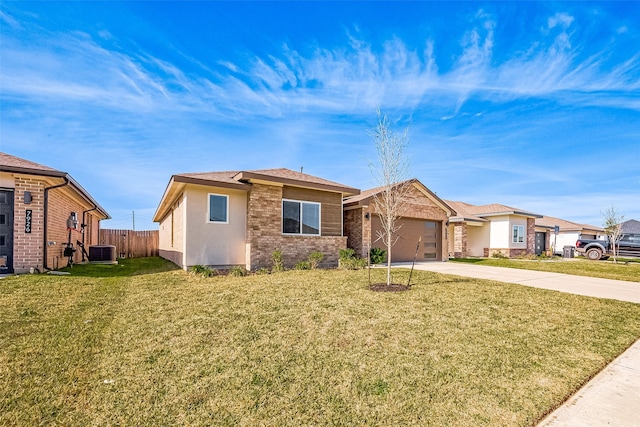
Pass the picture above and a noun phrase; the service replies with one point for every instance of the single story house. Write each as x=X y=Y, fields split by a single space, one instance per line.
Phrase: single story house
x=425 y=215
x=41 y=210
x=567 y=234
x=223 y=219
x=482 y=231
x=631 y=226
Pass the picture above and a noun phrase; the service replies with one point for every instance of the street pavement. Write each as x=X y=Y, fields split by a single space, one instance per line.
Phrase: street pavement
x=611 y=398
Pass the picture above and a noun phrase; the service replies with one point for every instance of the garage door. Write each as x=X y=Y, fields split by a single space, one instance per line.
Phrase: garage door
x=410 y=232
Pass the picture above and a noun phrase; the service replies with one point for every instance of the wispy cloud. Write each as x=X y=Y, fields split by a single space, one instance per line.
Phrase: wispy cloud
x=356 y=77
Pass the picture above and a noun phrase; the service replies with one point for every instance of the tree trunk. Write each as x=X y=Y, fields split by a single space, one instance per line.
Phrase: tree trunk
x=389 y=258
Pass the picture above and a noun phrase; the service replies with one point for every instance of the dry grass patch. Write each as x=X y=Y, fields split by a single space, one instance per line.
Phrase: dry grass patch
x=296 y=348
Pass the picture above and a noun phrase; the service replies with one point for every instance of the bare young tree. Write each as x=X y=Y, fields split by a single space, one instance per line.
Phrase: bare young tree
x=390 y=173
x=612 y=224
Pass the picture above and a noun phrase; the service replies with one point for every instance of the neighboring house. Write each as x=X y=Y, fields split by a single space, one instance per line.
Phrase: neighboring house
x=631 y=226
x=425 y=215
x=481 y=231
x=224 y=219
x=37 y=203
x=568 y=233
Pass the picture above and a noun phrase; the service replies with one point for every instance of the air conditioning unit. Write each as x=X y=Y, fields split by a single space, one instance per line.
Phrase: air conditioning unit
x=102 y=254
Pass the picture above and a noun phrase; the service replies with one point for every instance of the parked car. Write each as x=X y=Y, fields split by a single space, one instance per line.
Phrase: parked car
x=627 y=246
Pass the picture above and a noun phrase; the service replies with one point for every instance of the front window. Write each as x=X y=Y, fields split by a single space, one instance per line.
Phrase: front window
x=218 y=208
x=518 y=234
x=300 y=217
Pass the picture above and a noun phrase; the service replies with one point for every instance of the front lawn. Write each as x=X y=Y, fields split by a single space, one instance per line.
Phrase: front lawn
x=294 y=348
x=629 y=271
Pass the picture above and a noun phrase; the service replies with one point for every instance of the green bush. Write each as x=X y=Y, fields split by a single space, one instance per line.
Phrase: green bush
x=349 y=260
x=201 y=270
x=276 y=261
x=238 y=271
x=315 y=258
x=263 y=270
x=302 y=265
x=377 y=255
x=498 y=254
x=347 y=253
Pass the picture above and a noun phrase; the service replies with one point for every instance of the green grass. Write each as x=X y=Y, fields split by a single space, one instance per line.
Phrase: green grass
x=294 y=348
x=580 y=267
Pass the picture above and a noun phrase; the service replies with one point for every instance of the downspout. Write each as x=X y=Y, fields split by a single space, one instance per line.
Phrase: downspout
x=83 y=225
x=46 y=210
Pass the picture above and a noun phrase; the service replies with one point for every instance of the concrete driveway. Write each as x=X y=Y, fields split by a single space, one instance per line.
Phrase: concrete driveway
x=589 y=286
x=612 y=397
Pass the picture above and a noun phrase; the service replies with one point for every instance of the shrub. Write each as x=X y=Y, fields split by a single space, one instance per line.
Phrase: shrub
x=315 y=258
x=263 y=270
x=201 y=270
x=377 y=255
x=238 y=271
x=276 y=261
x=498 y=254
x=347 y=253
x=302 y=265
x=349 y=261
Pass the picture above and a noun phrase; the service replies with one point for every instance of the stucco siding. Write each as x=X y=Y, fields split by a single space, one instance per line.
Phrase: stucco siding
x=500 y=232
x=211 y=243
x=478 y=238
x=171 y=233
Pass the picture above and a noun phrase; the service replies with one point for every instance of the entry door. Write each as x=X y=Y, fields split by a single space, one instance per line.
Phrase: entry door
x=6 y=231
x=540 y=242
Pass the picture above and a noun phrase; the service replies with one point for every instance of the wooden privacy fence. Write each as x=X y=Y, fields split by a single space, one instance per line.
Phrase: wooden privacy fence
x=130 y=243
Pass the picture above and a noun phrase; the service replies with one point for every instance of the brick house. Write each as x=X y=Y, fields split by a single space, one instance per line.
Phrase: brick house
x=36 y=204
x=425 y=215
x=481 y=231
x=223 y=219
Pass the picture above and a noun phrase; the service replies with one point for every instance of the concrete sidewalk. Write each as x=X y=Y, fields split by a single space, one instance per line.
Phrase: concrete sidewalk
x=612 y=397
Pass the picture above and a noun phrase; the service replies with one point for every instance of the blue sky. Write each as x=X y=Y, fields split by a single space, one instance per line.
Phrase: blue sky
x=535 y=105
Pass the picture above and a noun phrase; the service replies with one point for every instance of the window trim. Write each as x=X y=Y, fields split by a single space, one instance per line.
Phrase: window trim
x=301 y=202
x=516 y=235
x=209 y=220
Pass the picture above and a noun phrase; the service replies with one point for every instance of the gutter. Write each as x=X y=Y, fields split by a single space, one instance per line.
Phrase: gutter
x=46 y=211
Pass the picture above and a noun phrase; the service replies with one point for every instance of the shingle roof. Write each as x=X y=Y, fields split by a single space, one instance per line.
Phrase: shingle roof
x=291 y=177
x=240 y=179
x=13 y=163
x=631 y=227
x=9 y=163
x=549 y=221
x=473 y=212
x=365 y=194
x=226 y=176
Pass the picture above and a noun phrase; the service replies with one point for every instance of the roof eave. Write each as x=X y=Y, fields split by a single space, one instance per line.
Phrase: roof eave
x=245 y=176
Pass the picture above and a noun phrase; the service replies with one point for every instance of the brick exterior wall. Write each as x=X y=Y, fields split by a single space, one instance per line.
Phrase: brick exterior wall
x=28 y=248
x=460 y=240
x=354 y=230
x=264 y=233
x=531 y=236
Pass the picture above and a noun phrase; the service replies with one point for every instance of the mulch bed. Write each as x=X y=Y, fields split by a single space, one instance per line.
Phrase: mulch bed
x=393 y=287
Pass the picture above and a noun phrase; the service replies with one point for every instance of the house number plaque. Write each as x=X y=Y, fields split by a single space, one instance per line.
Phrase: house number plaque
x=27 y=222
